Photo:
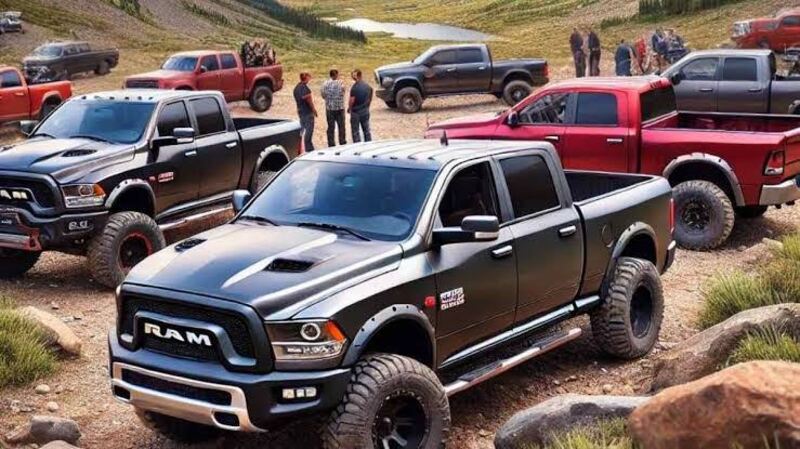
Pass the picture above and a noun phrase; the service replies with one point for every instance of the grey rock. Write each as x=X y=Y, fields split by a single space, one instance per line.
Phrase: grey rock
x=58 y=445
x=56 y=332
x=42 y=389
x=536 y=425
x=45 y=429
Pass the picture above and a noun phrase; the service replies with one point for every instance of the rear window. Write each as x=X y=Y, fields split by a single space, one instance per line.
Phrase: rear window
x=470 y=56
x=596 y=109
x=228 y=61
x=209 y=116
x=658 y=102
x=740 y=69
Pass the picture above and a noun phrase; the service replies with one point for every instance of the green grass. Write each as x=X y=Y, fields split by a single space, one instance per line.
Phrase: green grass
x=23 y=354
x=728 y=294
x=791 y=248
x=766 y=344
x=609 y=434
x=212 y=16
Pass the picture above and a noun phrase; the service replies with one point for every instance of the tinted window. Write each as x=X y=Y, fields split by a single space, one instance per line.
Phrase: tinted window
x=701 y=70
x=596 y=109
x=470 y=56
x=172 y=116
x=180 y=63
x=210 y=63
x=529 y=184
x=120 y=122
x=740 y=69
x=471 y=192
x=10 y=79
x=791 y=21
x=83 y=48
x=658 y=102
x=71 y=50
x=209 y=116
x=228 y=61
x=444 y=57
x=548 y=109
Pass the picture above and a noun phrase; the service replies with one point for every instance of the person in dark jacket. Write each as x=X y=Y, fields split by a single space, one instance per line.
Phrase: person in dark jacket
x=578 y=55
x=594 y=53
x=358 y=107
x=306 y=110
x=623 y=58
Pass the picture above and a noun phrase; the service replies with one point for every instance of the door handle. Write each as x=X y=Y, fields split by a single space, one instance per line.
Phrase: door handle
x=568 y=231
x=503 y=251
x=451 y=69
x=706 y=89
x=482 y=68
x=615 y=140
x=552 y=138
x=191 y=153
x=231 y=144
x=755 y=90
x=19 y=94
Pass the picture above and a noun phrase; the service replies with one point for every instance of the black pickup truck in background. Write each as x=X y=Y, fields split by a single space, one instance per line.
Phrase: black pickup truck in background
x=106 y=173
x=744 y=81
x=61 y=60
x=374 y=281
x=456 y=70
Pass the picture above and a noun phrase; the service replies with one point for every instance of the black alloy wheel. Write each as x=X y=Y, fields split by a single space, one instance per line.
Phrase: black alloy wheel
x=400 y=422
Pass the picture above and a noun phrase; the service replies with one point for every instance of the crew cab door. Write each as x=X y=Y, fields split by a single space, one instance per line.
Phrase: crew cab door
x=476 y=282
x=15 y=102
x=741 y=89
x=219 y=151
x=441 y=73
x=474 y=70
x=541 y=118
x=231 y=77
x=597 y=136
x=176 y=166
x=547 y=233
x=697 y=90
x=209 y=76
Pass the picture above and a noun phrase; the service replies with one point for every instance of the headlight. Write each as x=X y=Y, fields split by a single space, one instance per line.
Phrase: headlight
x=83 y=195
x=306 y=340
x=387 y=82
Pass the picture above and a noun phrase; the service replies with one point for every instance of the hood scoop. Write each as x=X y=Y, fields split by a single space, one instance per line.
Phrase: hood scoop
x=188 y=244
x=290 y=265
x=78 y=153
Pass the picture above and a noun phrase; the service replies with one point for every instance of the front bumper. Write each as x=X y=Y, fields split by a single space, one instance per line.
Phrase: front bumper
x=385 y=94
x=255 y=399
x=785 y=192
x=20 y=229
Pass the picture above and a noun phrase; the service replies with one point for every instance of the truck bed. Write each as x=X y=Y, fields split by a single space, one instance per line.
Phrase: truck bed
x=263 y=134
x=722 y=121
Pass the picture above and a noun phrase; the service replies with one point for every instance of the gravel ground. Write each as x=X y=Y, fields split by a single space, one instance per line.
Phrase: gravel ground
x=62 y=285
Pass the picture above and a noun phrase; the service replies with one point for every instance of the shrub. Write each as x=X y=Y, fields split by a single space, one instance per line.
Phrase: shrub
x=729 y=294
x=782 y=277
x=611 y=434
x=613 y=21
x=212 y=16
x=24 y=357
x=791 y=248
x=766 y=344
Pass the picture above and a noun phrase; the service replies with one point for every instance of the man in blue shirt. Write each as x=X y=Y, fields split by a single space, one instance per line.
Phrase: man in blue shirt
x=306 y=110
x=360 y=101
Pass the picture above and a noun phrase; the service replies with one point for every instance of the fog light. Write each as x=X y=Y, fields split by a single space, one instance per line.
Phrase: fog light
x=291 y=394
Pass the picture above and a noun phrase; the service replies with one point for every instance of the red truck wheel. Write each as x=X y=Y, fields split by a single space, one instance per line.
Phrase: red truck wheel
x=704 y=215
x=261 y=98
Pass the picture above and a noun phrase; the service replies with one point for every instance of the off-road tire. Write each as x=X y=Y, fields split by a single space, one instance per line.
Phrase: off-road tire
x=750 y=211
x=105 y=248
x=713 y=202
x=516 y=91
x=14 y=262
x=634 y=293
x=375 y=380
x=176 y=429
x=763 y=44
x=261 y=178
x=261 y=98
x=102 y=69
x=409 y=100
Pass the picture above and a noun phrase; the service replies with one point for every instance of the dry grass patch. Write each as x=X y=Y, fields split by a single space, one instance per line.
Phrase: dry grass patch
x=24 y=357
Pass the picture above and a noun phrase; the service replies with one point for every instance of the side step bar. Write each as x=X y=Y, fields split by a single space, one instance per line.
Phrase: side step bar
x=487 y=372
x=199 y=216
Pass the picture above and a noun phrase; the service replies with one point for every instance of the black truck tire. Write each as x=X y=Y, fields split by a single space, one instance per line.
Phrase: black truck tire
x=125 y=240
x=261 y=178
x=14 y=262
x=409 y=100
x=516 y=91
x=390 y=398
x=47 y=108
x=751 y=211
x=628 y=320
x=703 y=215
x=176 y=429
x=102 y=68
x=261 y=98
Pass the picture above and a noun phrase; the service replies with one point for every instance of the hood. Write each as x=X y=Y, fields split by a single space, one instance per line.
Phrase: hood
x=266 y=267
x=159 y=75
x=468 y=121
x=38 y=60
x=397 y=67
x=66 y=160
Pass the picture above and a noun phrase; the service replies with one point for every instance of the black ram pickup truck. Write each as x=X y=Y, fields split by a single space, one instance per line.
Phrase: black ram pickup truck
x=106 y=173
x=60 y=60
x=373 y=281
x=457 y=70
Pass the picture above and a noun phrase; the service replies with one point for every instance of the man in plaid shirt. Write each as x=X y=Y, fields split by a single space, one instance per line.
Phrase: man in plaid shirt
x=333 y=94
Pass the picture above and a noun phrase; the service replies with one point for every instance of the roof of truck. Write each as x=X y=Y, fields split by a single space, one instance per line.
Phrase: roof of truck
x=733 y=52
x=145 y=95
x=201 y=53
x=421 y=153
x=630 y=83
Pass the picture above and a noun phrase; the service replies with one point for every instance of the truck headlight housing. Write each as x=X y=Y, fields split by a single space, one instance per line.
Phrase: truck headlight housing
x=306 y=340
x=83 y=195
x=387 y=82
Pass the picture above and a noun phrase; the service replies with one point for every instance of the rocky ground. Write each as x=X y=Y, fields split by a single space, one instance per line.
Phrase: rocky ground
x=61 y=284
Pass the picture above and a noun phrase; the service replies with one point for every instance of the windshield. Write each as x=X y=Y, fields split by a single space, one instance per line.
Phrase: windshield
x=47 y=50
x=116 y=122
x=376 y=202
x=425 y=56
x=180 y=63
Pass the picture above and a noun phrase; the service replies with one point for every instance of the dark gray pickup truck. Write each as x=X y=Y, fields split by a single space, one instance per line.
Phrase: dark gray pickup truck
x=733 y=81
x=456 y=70
x=61 y=60
x=373 y=281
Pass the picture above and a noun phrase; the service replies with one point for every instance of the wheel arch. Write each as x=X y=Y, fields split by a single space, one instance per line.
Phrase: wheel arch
x=696 y=166
x=517 y=75
x=639 y=241
x=132 y=195
x=273 y=154
x=265 y=79
x=407 y=81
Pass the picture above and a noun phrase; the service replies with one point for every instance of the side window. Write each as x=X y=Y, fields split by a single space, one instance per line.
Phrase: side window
x=10 y=79
x=529 y=184
x=471 y=192
x=444 y=57
x=83 y=48
x=701 y=70
x=550 y=109
x=70 y=50
x=596 y=109
x=172 y=116
x=208 y=115
x=740 y=69
x=228 y=61
x=791 y=21
x=470 y=56
x=210 y=63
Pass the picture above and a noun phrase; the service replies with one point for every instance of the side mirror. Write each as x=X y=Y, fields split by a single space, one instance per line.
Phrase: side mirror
x=513 y=119
x=474 y=228
x=676 y=78
x=203 y=69
x=27 y=126
x=240 y=199
x=183 y=135
x=179 y=136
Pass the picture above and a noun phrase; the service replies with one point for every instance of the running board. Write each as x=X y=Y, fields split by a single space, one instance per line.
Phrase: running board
x=495 y=368
x=199 y=216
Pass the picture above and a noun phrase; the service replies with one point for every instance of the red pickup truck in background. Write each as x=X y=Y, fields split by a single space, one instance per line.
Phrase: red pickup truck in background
x=719 y=164
x=22 y=101
x=215 y=70
x=776 y=34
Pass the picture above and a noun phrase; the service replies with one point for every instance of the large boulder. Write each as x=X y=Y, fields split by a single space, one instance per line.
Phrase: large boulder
x=705 y=352
x=56 y=332
x=741 y=406
x=45 y=429
x=536 y=425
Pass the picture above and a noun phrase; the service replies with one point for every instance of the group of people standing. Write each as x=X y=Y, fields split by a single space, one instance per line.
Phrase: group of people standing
x=333 y=94
x=581 y=48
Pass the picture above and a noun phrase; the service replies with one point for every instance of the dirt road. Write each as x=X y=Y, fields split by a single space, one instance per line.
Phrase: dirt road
x=61 y=285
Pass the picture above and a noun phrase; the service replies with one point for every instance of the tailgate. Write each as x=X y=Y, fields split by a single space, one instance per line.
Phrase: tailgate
x=792 y=149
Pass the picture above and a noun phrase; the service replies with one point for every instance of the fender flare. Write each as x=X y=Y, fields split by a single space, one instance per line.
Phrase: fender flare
x=379 y=321
x=272 y=149
x=47 y=96
x=514 y=72
x=126 y=186
x=406 y=78
x=634 y=230
x=265 y=77
x=717 y=162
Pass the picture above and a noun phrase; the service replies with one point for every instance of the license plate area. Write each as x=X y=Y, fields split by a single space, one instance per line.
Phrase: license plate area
x=11 y=224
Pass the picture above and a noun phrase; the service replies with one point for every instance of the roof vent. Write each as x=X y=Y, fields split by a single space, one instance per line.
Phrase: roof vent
x=290 y=266
x=188 y=244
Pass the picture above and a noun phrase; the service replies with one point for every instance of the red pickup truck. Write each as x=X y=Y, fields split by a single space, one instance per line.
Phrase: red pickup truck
x=777 y=34
x=22 y=101
x=720 y=165
x=214 y=70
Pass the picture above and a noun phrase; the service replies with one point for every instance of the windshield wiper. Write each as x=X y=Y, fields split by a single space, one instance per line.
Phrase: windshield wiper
x=257 y=219
x=333 y=227
x=43 y=135
x=91 y=137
